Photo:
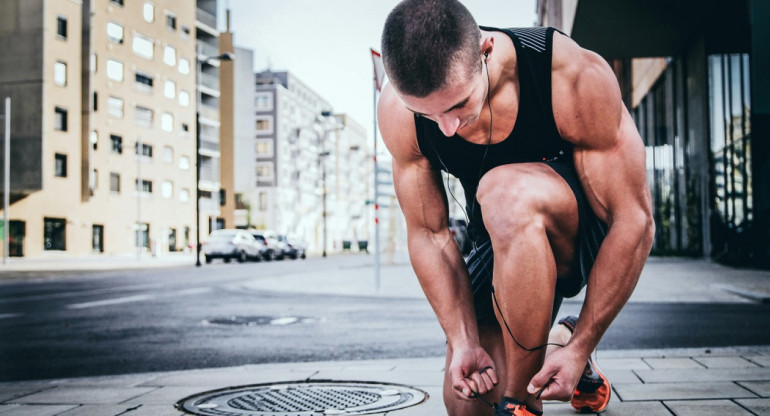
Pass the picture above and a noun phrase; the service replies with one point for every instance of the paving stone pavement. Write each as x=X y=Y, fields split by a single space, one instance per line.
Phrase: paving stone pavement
x=680 y=382
x=729 y=381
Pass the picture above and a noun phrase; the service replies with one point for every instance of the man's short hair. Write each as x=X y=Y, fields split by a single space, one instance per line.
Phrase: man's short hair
x=424 y=39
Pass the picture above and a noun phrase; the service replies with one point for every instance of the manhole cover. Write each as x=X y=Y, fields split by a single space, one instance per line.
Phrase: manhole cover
x=319 y=398
x=259 y=320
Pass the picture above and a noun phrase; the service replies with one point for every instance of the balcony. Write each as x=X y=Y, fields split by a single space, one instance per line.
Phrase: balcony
x=206 y=18
x=209 y=145
x=209 y=112
x=209 y=81
x=207 y=49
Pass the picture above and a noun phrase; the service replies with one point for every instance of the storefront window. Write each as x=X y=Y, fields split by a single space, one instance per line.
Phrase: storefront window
x=673 y=179
x=730 y=109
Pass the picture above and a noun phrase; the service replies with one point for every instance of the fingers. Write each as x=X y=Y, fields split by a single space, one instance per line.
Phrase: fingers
x=546 y=385
x=477 y=383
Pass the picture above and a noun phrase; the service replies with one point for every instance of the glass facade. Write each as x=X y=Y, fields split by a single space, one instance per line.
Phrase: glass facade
x=673 y=169
x=730 y=131
x=661 y=118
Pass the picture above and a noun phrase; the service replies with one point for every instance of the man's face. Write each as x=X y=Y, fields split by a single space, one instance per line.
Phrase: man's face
x=454 y=107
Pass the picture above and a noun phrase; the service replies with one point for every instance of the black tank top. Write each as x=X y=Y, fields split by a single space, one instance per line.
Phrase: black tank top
x=534 y=137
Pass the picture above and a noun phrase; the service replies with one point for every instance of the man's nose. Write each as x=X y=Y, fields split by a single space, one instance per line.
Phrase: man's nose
x=448 y=125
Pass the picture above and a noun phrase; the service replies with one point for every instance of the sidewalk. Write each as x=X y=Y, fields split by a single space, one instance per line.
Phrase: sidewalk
x=703 y=381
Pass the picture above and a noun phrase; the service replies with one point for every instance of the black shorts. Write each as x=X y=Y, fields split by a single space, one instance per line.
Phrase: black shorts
x=591 y=232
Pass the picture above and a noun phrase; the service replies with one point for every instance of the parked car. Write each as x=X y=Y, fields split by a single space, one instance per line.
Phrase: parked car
x=459 y=229
x=269 y=247
x=230 y=244
x=292 y=248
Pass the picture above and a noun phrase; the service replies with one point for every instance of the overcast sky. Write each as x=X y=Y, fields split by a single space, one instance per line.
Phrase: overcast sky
x=326 y=42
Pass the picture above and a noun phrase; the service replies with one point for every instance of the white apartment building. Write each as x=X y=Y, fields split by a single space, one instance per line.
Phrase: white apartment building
x=304 y=154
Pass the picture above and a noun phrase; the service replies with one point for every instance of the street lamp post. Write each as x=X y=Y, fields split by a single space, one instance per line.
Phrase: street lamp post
x=200 y=60
x=321 y=157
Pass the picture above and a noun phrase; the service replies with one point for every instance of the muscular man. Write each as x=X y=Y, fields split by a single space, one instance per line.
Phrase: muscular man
x=553 y=170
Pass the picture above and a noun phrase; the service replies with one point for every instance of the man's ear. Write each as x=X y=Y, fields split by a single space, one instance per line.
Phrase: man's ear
x=487 y=45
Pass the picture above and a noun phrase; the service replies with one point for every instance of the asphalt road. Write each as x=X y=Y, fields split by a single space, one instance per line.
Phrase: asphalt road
x=98 y=323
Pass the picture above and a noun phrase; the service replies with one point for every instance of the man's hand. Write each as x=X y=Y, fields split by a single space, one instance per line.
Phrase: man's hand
x=559 y=376
x=472 y=373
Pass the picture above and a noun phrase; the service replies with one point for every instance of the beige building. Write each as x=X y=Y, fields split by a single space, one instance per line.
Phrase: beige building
x=103 y=124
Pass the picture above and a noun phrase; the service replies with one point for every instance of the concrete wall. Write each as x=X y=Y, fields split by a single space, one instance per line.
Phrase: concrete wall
x=21 y=79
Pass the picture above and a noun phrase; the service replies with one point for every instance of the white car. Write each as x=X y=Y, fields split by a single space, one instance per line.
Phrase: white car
x=231 y=244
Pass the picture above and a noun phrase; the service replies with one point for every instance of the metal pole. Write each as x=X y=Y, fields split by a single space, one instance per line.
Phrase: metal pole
x=376 y=196
x=323 y=190
x=198 y=160
x=139 y=190
x=7 y=179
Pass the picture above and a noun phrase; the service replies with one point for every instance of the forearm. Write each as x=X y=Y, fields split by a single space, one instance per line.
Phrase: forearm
x=612 y=280
x=442 y=273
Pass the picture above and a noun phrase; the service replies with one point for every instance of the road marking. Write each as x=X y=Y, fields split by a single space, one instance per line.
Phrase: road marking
x=108 y=302
x=10 y=315
x=136 y=298
x=193 y=291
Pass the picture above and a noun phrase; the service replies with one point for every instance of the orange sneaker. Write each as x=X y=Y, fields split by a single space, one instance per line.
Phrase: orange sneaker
x=512 y=407
x=593 y=390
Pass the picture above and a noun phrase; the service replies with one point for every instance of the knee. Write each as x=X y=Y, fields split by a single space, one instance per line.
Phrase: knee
x=510 y=202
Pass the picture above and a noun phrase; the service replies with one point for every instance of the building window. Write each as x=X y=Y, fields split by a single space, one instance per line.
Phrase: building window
x=146 y=186
x=185 y=30
x=169 y=89
x=115 y=107
x=264 y=171
x=95 y=101
x=167 y=189
x=143 y=236
x=93 y=181
x=732 y=203
x=54 y=234
x=170 y=21
x=184 y=98
x=61 y=27
x=97 y=238
x=184 y=163
x=172 y=239
x=60 y=165
x=184 y=195
x=115 y=70
x=169 y=55
x=264 y=101
x=60 y=119
x=116 y=144
x=185 y=127
x=184 y=66
x=118 y=2
x=167 y=122
x=143 y=46
x=146 y=150
x=114 y=182
x=143 y=116
x=114 y=32
x=143 y=82
x=92 y=62
x=148 y=12
x=264 y=124
x=264 y=148
x=263 y=201
x=168 y=154
x=94 y=139
x=60 y=73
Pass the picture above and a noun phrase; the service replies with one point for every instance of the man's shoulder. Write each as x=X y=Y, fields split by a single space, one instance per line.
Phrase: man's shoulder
x=586 y=96
x=396 y=125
